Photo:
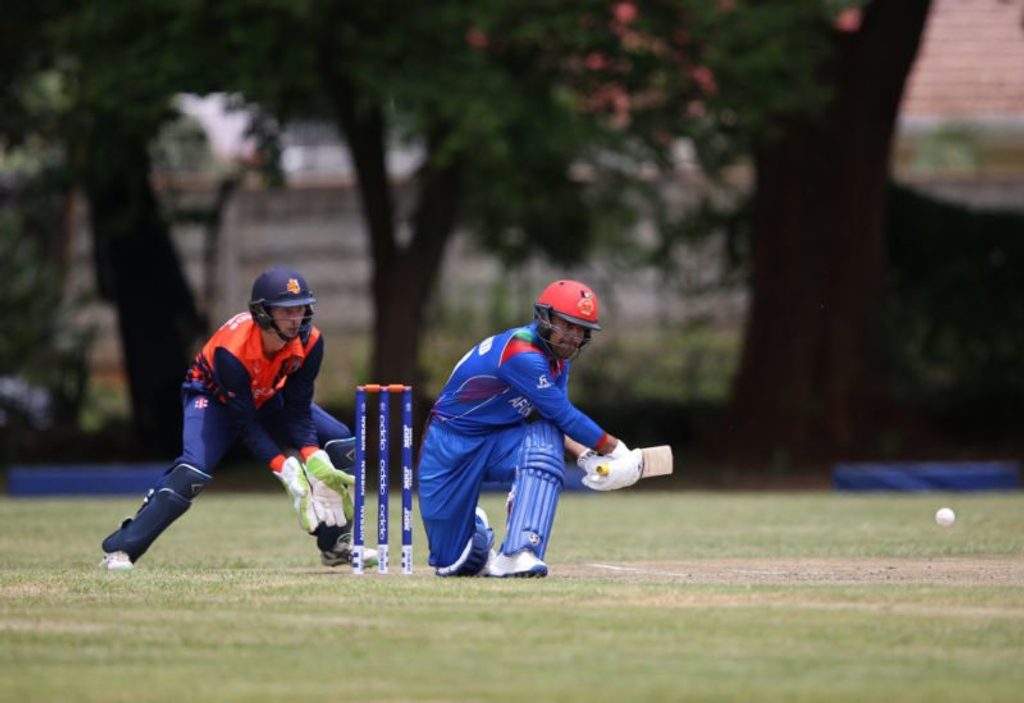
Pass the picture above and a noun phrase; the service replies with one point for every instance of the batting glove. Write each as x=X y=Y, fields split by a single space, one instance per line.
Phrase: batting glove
x=621 y=451
x=330 y=489
x=615 y=474
x=590 y=461
x=294 y=480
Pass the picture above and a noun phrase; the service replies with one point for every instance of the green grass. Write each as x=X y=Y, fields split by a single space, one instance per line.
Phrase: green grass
x=717 y=597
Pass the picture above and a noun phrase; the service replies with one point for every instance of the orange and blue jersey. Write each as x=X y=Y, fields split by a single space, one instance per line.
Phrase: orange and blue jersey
x=502 y=380
x=231 y=369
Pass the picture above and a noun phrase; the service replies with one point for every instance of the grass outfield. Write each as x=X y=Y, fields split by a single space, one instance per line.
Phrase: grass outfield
x=652 y=597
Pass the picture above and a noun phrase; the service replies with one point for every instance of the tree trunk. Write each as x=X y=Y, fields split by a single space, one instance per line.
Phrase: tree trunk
x=403 y=275
x=806 y=385
x=404 y=281
x=138 y=270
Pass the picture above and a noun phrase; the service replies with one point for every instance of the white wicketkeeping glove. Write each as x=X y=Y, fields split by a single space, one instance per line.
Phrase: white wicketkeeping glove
x=329 y=492
x=619 y=473
x=294 y=480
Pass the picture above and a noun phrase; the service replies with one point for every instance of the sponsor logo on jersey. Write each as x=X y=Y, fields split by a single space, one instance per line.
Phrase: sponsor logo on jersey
x=543 y=382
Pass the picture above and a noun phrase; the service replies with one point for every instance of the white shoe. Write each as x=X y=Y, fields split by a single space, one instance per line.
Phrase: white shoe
x=491 y=556
x=523 y=564
x=117 y=561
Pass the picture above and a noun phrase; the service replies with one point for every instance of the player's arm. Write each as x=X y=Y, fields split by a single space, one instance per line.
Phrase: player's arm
x=528 y=374
x=298 y=399
x=616 y=466
x=606 y=447
x=298 y=411
x=234 y=379
x=329 y=495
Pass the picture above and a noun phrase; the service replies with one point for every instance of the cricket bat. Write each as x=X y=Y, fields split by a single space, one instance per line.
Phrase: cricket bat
x=654 y=461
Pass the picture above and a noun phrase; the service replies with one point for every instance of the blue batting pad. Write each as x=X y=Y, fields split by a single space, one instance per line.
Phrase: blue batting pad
x=538 y=484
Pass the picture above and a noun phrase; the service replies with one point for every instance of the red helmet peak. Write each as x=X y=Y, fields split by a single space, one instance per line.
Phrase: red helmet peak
x=572 y=301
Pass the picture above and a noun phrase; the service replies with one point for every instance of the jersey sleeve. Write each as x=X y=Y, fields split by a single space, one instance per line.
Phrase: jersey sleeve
x=298 y=398
x=528 y=374
x=234 y=379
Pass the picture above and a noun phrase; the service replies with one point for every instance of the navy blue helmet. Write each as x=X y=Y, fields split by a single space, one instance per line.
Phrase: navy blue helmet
x=280 y=287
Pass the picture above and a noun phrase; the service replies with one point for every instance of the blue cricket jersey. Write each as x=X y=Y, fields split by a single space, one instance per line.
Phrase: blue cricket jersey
x=502 y=380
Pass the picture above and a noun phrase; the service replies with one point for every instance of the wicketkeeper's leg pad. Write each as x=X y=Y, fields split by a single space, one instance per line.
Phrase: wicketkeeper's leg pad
x=163 y=505
x=342 y=453
x=538 y=484
x=335 y=542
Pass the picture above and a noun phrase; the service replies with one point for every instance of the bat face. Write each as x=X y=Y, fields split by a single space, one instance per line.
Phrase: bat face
x=657 y=461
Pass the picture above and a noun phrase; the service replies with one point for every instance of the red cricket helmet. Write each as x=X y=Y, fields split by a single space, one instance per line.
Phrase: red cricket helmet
x=570 y=300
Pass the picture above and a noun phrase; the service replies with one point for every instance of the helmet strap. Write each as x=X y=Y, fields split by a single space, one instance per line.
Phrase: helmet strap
x=265 y=321
x=542 y=315
x=260 y=315
x=281 y=335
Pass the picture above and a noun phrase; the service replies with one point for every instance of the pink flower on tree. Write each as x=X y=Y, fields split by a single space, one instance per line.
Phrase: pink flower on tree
x=476 y=38
x=705 y=80
x=624 y=12
x=849 y=20
x=595 y=61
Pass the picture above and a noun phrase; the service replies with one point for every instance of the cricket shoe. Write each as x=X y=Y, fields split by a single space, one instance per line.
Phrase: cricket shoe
x=342 y=553
x=116 y=561
x=522 y=564
x=483 y=522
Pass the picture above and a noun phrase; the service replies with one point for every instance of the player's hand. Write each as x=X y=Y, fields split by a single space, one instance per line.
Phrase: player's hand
x=293 y=478
x=330 y=489
x=591 y=461
x=621 y=451
x=614 y=474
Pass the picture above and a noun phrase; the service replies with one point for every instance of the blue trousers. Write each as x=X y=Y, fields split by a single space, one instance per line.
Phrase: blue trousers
x=208 y=433
x=451 y=469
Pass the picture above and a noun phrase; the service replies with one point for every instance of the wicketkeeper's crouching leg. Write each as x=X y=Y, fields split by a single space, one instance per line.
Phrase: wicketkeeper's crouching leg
x=164 y=504
x=335 y=541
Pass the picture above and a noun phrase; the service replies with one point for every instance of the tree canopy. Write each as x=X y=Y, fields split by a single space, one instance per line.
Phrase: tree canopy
x=543 y=126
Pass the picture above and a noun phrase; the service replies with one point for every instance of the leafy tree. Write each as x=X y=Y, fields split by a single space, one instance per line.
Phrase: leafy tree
x=540 y=125
x=954 y=321
x=537 y=120
x=120 y=86
x=807 y=380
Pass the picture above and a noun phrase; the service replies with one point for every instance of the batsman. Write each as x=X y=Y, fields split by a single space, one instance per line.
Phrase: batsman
x=479 y=431
x=254 y=381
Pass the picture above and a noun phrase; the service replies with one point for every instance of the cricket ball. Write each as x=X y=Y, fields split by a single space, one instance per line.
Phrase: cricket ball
x=945 y=517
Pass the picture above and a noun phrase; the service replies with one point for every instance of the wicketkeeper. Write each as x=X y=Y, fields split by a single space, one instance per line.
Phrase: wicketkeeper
x=478 y=431
x=254 y=380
